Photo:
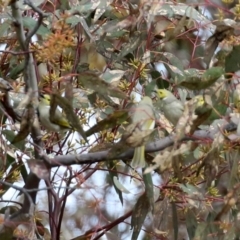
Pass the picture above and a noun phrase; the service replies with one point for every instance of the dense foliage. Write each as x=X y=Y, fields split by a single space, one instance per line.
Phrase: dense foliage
x=97 y=58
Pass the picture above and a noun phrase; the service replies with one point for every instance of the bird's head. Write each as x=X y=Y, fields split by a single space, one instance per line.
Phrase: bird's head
x=162 y=93
x=45 y=98
x=200 y=101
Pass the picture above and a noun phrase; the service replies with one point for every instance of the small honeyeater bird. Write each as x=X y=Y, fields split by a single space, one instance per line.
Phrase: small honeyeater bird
x=144 y=118
x=58 y=123
x=171 y=106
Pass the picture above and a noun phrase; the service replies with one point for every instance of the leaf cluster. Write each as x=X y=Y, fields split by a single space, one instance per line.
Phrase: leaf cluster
x=103 y=56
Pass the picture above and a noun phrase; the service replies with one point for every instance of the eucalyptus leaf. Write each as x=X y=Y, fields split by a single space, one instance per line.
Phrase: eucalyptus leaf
x=119 y=185
x=147 y=178
x=191 y=223
x=170 y=9
x=94 y=82
x=4 y=27
x=139 y=214
x=172 y=63
x=30 y=23
x=102 y=6
x=110 y=121
x=57 y=100
x=111 y=76
x=197 y=82
x=131 y=45
x=232 y=61
x=86 y=7
x=113 y=175
x=10 y=135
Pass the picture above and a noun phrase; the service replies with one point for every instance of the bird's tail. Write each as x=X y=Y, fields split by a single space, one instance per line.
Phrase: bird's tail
x=139 y=157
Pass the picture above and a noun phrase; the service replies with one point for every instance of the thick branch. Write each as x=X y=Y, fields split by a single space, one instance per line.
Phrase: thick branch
x=17 y=15
x=89 y=158
x=30 y=79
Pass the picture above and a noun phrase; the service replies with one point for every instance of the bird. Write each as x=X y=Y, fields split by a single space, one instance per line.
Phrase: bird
x=143 y=120
x=171 y=106
x=202 y=111
x=57 y=122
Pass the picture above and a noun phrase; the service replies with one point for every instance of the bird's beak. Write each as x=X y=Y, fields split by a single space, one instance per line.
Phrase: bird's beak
x=40 y=96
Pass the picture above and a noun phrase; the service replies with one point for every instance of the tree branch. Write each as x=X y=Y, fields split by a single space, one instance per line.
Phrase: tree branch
x=90 y=158
x=30 y=80
x=41 y=14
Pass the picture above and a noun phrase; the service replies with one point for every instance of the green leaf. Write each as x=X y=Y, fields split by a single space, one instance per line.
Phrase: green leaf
x=16 y=70
x=111 y=76
x=36 y=3
x=24 y=172
x=133 y=44
x=57 y=100
x=195 y=82
x=232 y=61
x=12 y=209
x=208 y=229
x=232 y=157
x=93 y=81
x=110 y=121
x=86 y=7
x=150 y=88
x=192 y=74
x=10 y=136
x=30 y=23
x=7 y=233
x=172 y=33
x=189 y=189
x=221 y=58
x=101 y=9
x=113 y=174
x=172 y=64
x=170 y=9
x=190 y=78
x=219 y=98
x=140 y=212
x=218 y=111
x=201 y=231
x=157 y=81
x=210 y=47
x=162 y=83
x=191 y=223
x=64 y=4
x=92 y=98
x=10 y=161
x=4 y=27
x=119 y=185
x=80 y=101
x=106 y=49
x=84 y=24
x=211 y=75
x=147 y=179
